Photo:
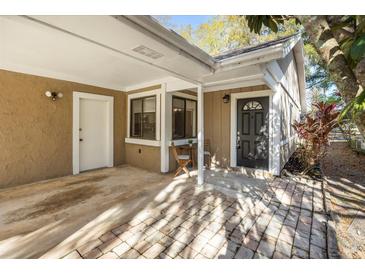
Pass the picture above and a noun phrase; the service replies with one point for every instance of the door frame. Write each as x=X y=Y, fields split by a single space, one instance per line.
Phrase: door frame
x=76 y=125
x=233 y=142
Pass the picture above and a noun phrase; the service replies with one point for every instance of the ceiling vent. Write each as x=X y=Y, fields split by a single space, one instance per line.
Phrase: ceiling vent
x=148 y=52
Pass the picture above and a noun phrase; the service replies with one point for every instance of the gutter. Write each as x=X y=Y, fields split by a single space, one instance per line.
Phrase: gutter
x=250 y=58
x=262 y=55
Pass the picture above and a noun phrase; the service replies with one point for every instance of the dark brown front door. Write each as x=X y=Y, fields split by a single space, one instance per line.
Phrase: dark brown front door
x=253 y=132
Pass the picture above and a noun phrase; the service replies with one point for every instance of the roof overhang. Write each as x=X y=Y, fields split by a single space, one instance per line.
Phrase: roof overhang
x=99 y=50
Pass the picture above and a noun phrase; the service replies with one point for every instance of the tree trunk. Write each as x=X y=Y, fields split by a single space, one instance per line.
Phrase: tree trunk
x=360 y=72
x=321 y=36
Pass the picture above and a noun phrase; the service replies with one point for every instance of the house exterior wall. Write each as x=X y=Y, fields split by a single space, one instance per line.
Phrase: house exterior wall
x=146 y=157
x=290 y=108
x=36 y=133
x=217 y=121
x=139 y=155
x=289 y=68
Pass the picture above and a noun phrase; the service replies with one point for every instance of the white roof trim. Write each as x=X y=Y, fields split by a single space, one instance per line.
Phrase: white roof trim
x=256 y=56
x=299 y=58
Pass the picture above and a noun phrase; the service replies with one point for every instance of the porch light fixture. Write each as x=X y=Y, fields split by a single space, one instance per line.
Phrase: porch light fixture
x=53 y=95
x=226 y=98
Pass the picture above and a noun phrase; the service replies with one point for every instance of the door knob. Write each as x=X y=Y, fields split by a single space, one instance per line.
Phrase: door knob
x=238 y=144
x=81 y=140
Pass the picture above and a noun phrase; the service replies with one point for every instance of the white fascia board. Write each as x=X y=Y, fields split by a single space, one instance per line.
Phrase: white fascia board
x=264 y=55
x=233 y=80
x=147 y=84
x=240 y=84
x=298 y=51
x=173 y=84
x=177 y=84
x=289 y=45
x=184 y=95
x=250 y=58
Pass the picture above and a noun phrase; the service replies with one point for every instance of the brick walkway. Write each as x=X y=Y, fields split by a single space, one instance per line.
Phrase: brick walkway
x=286 y=221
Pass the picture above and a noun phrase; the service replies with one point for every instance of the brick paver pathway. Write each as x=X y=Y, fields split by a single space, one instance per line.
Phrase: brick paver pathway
x=286 y=221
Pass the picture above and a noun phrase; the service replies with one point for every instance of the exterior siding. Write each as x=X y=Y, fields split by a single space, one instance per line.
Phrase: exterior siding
x=217 y=121
x=290 y=108
x=289 y=68
x=36 y=133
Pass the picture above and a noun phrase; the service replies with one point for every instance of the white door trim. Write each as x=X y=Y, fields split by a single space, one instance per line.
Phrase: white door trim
x=76 y=125
x=234 y=99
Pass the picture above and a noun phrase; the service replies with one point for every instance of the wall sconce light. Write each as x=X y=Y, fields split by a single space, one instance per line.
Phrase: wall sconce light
x=226 y=98
x=53 y=95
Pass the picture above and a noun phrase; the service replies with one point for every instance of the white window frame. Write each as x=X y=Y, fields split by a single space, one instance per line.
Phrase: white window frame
x=184 y=141
x=76 y=126
x=139 y=141
x=243 y=95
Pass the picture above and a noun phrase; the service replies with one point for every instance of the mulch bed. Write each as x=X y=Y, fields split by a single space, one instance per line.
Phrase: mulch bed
x=295 y=166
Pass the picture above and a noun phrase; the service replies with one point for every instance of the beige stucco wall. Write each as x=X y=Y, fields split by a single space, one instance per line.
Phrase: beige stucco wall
x=217 y=119
x=146 y=157
x=36 y=133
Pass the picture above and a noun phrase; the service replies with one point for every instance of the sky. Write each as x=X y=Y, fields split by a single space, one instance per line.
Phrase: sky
x=177 y=21
x=194 y=20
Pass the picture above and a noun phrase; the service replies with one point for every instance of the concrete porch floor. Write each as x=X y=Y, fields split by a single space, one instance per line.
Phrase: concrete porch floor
x=49 y=217
x=127 y=212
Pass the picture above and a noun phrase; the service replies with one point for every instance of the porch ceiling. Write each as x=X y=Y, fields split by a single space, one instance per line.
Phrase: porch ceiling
x=88 y=49
x=121 y=52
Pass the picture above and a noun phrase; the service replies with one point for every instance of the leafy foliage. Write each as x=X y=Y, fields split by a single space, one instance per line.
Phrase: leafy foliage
x=357 y=49
x=255 y=22
x=354 y=108
x=316 y=73
x=349 y=32
x=230 y=32
x=314 y=131
x=351 y=36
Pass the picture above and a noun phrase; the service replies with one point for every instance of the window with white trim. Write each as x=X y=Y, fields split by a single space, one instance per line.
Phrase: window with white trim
x=184 y=118
x=143 y=118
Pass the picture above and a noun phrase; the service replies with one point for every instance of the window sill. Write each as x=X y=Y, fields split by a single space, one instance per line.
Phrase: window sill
x=181 y=142
x=136 y=141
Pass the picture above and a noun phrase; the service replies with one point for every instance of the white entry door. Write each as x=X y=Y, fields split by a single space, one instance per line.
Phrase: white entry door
x=95 y=132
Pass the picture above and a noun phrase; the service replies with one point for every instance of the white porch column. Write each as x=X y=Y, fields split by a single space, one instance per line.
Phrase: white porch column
x=164 y=146
x=275 y=134
x=200 y=135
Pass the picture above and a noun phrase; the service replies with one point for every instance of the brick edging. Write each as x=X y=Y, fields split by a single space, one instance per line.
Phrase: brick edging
x=332 y=246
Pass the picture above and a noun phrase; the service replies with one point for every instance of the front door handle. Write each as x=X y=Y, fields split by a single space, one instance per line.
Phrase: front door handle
x=238 y=144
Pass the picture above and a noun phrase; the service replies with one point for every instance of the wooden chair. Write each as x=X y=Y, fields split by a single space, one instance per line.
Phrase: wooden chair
x=207 y=152
x=182 y=160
